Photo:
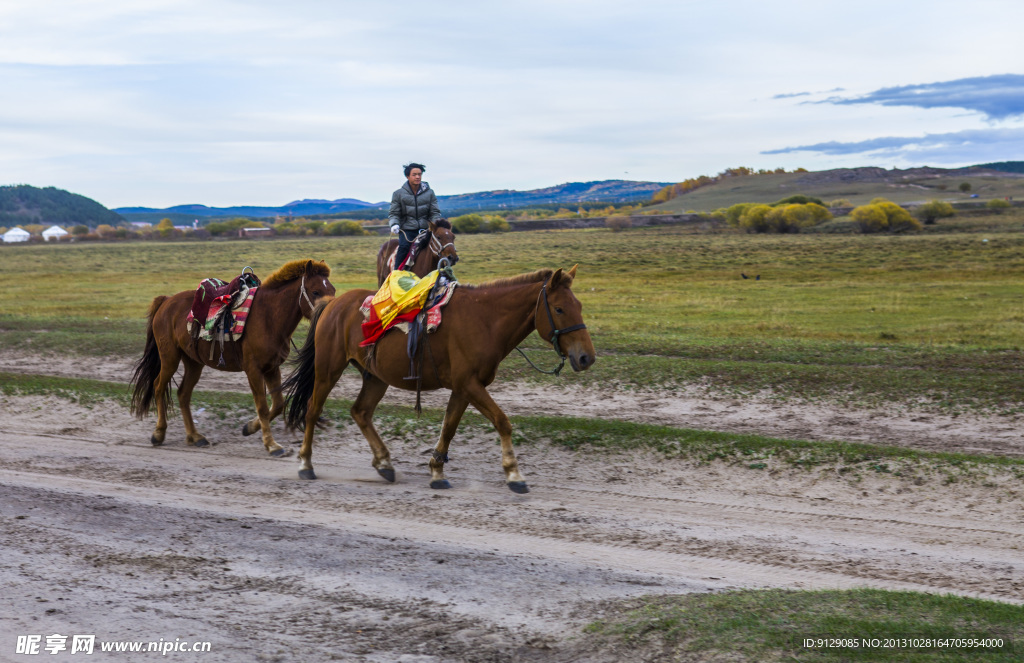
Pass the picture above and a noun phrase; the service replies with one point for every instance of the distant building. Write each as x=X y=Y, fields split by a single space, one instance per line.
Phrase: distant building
x=141 y=224
x=255 y=232
x=16 y=235
x=54 y=232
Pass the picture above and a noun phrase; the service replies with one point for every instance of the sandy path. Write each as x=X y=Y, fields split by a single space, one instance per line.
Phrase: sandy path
x=105 y=534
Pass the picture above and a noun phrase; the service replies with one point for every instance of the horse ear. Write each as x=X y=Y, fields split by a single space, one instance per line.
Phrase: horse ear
x=556 y=278
x=433 y=226
x=572 y=272
x=309 y=267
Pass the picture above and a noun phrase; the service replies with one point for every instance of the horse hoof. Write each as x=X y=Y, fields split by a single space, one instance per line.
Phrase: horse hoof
x=306 y=474
x=518 y=487
x=440 y=484
x=388 y=474
x=201 y=442
x=155 y=442
x=278 y=453
x=247 y=432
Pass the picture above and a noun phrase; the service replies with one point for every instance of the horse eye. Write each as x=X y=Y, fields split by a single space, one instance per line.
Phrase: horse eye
x=558 y=310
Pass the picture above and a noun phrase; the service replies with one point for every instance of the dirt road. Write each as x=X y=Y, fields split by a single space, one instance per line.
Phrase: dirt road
x=104 y=534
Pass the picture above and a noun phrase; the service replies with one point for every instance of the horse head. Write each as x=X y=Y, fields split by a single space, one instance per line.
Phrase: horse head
x=559 y=320
x=315 y=288
x=442 y=241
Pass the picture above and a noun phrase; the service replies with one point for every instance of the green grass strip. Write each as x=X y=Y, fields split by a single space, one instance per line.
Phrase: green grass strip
x=754 y=452
x=775 y=625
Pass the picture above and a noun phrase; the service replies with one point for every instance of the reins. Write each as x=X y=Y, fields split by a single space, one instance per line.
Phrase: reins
x=555 y=334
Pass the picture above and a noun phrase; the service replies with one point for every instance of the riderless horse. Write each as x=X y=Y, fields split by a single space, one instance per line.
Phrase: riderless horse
x=281 y=301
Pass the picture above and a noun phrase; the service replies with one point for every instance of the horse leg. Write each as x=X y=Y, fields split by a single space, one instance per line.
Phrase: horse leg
x=362 y=412
x=273 y=379
x=323 y=381
x=456 y=407
x=193 y=370
x=168 y=366
x=259 y=394
x=483 y=402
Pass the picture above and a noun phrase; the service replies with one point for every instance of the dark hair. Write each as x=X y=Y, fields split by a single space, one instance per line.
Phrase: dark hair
x=408 y=169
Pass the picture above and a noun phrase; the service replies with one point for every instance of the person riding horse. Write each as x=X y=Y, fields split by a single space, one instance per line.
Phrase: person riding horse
x=413 y=209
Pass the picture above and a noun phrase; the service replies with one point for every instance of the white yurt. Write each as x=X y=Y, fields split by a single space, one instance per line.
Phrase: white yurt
x=54 y=232
x=15 y=235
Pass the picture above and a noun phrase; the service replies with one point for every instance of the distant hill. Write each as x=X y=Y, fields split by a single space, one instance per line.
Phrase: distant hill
x=858 y=185
x=567 y=194
x=1004 y=166
x=570 y=193
x=23 y=204
x=295 y=208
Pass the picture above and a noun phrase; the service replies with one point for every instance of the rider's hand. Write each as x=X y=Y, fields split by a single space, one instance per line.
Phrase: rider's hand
x=394 y=230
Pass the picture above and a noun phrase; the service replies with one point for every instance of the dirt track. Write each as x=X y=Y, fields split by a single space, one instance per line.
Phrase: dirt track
x=104 y=534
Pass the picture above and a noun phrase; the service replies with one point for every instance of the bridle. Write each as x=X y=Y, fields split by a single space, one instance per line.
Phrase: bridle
x=436 y=247
x=556 y=333
x=304 y=295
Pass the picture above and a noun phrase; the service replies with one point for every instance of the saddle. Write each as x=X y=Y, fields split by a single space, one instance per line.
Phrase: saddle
x=220 y=308
x=421 y=240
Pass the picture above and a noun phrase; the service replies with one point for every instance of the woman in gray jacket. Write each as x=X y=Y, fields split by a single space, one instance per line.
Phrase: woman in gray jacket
x=413 y=208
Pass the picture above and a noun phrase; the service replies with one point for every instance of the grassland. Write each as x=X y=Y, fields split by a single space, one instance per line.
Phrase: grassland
x=935 y=320
x=774 y=625
x=769 y=188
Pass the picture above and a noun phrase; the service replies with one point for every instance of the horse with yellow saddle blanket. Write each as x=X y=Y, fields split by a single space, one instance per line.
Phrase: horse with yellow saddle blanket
x=482 y=324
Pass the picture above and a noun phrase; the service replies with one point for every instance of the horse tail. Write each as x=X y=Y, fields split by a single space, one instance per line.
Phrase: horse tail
x=147 y=368
x=298 y=387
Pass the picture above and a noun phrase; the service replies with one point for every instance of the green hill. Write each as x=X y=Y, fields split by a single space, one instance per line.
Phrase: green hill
x=858 y=185
x=23 y=204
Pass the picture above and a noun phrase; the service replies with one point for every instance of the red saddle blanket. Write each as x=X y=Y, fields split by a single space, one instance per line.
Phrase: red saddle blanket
x=221 y=307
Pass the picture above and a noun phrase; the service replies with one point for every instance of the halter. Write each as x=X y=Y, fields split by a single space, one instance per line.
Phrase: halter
x=555 y=334
x=436 y=247
x=303 y=295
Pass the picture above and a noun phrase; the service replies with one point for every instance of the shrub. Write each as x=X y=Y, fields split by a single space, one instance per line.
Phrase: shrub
x=618 y=222
x=345 y=227
x=798 y=199
x=882 y=214
x=932 y=210
x=467 y=224
x=734 y=212
x=791 y=218
x=965 y=187
x=496 y=224
x=839 y=202
x=80 y=230
x=869 y=218
x=997 y=205
x=753 y=218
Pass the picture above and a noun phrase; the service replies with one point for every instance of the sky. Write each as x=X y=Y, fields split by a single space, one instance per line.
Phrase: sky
x=222 y=103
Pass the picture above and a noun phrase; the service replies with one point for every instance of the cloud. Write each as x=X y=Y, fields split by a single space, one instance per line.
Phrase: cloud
x=972 y=146
x=998 y=97
x=791 y=95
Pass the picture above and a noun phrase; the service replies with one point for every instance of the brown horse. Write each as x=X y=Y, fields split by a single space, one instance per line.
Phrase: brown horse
x=285 y=297
x=440 y=242
x=481 y=325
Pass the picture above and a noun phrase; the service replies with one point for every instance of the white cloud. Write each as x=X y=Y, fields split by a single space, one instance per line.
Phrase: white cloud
x=259 y=102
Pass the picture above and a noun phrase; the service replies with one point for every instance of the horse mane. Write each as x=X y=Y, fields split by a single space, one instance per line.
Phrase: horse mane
x=443 y=223
x=532 y=277
x=292 y=270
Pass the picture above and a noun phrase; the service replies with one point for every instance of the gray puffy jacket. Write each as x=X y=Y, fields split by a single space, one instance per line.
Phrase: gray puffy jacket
x=413 y=212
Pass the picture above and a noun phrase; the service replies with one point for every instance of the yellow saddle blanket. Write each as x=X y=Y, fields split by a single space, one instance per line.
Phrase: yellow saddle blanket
x=401 y=292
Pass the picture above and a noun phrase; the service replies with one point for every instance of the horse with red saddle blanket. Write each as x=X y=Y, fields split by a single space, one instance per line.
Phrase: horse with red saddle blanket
x=270 y=311
x=482 y=324
x=437 y=242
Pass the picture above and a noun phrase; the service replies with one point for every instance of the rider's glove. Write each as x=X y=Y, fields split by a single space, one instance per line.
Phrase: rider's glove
x=394 y=229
